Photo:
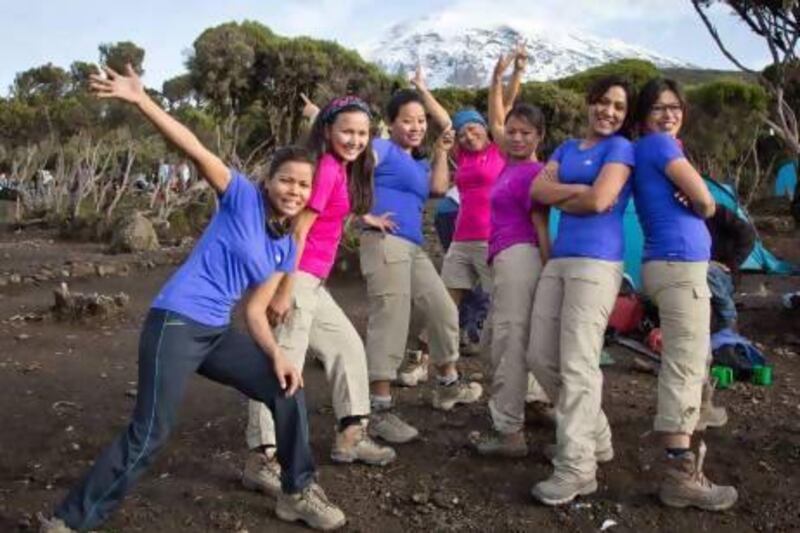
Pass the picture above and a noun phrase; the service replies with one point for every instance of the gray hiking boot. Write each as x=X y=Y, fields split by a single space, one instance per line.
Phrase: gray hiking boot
x=502 y=444
x=561 y=488
x=602 y=454
x=445 y=397
x=311 y=506
x=360 y=449
x=391 y=428
x=262 y=473
x=52 y=525
x=684 y=484
x=711 y=416
x=414 y=369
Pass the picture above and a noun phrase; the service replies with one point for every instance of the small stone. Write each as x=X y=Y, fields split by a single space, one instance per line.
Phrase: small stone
x=22 y=337
x=131 y=393
x=420 y=498
x=15 y=279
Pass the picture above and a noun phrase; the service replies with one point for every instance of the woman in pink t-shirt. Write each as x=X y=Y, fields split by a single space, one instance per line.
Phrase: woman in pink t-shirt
x=303 y=310
x=518 y=246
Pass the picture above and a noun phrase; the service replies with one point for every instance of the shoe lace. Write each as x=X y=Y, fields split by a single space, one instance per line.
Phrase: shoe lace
x=315 y=497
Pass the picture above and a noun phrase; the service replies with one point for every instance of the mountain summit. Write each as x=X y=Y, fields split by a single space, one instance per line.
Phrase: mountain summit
x=465 y=57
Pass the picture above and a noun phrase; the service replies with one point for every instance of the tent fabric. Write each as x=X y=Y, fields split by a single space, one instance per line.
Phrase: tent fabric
x=759 y=260
x=786 y=181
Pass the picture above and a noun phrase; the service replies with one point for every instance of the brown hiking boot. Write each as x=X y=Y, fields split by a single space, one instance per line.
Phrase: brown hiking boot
x=354 y=445
x=502 y=444
x=684 y=484
x=711 y=416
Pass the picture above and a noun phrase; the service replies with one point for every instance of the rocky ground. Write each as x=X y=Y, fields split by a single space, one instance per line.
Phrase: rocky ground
x=68 y=388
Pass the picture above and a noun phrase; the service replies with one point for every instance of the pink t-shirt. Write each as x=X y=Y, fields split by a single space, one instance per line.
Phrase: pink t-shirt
x=476 y=173
x=511 y=207
x=331 y=201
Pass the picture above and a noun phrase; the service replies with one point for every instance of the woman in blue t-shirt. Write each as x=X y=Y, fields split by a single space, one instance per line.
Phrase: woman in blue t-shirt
x=398 y=272
x=672 y=201
x=588 y=179
x=246 y=247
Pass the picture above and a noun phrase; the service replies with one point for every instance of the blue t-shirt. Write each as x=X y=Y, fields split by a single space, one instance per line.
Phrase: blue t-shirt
x=402 y=185
x=598 y=236
x=672 y=231
x=234 y=253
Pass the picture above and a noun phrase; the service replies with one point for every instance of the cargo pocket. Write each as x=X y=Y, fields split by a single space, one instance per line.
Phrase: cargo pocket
x=388 y=266
x=701 y=292
x=295 y=332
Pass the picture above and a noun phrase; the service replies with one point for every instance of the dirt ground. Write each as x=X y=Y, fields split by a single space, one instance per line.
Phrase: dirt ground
x=66 y=392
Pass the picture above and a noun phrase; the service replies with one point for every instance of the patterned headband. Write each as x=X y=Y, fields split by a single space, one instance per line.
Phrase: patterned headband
x=343 y=103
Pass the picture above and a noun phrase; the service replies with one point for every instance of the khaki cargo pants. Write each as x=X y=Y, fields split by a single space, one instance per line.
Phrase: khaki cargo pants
x=515 y=273
x=399 y=273
x=319 y=324
x=680 y=290
x=573 y=301
x=466 y=265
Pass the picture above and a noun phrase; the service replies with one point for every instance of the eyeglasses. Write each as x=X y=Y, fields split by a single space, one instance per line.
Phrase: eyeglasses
x=659 y=109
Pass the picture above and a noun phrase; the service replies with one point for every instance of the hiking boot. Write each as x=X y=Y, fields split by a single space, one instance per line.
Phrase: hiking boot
x=311 y=506
x=601 y=455
x=684 y=484
x=360 y=449
x=52 y=525
x=561 y=488
x=445 y=397
x=414 y=369
x=389 y=427
x=262 y=473
x=711 y=416
x=502 y=444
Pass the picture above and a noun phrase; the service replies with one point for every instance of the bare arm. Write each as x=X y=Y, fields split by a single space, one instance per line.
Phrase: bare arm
x=512 y=89
x=548 y=190
x=497 y=111
x=691 y=184
x=540 y=219
x=258 y=300
x=438 y=114
x=603 y=194
x=440 y=170
x=280 y=306
x=129 y=88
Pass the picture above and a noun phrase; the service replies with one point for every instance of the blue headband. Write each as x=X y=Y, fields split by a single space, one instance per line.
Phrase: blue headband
x=467 y=116
x=343 y=103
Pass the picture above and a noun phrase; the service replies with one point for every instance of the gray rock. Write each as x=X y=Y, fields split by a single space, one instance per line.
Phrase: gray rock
x=134 y=234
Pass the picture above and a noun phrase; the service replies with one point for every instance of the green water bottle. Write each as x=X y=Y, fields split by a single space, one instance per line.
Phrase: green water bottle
x=723 y=375
x=762 y=375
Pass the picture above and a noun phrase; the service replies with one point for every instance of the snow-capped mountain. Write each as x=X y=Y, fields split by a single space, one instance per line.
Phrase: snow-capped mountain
x=465 y=57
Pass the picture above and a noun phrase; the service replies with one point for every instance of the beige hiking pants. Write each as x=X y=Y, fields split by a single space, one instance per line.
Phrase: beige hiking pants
x=515 y=272
x=398 y=272
x=573 y=301
x=319 y=324
x=680 y=290
x=465 y=265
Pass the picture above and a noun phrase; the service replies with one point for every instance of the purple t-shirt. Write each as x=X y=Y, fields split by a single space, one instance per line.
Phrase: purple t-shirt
x=511 y=207
x=597 y=236
x=672 y=231
x=234 y=253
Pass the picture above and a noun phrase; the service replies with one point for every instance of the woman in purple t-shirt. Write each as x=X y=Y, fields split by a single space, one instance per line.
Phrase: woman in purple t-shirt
x=303 y=311
x=588 y=179
x=672 y=201
x=518 y=246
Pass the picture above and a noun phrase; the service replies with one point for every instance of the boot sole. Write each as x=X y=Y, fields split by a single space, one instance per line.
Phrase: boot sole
x=681 y=503
x=449 y=405
x=346 y=459
x=585 y=491
x=290 y=516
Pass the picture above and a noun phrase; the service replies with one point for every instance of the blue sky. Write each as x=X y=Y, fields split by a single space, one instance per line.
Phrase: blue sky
x=36 y=32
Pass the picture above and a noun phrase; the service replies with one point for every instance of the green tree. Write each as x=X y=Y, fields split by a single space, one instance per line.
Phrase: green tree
x=117 y=55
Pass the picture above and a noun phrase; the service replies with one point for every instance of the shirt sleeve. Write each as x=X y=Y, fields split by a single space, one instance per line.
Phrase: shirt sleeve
x=664 y=149
x=242 y=202
x=324 y=182
x=620 y=150
x=381 y=147
x=530 y=203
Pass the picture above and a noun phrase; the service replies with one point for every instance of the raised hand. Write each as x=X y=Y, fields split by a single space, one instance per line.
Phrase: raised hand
x=418 y=79
x=520 y=56
x=310 y=109
x=127 y=87
x=503 y=62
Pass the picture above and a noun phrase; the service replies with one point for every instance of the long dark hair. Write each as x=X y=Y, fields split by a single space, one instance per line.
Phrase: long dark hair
x=600 y=87
x=359 y=172
x=398 y=100
x=531 y=114
x=648 y=97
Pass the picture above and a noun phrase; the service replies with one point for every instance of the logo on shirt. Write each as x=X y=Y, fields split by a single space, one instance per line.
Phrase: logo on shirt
x=587 y=162
x=278 y=258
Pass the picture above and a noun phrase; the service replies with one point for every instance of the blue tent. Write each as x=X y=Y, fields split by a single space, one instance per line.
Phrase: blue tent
x=786 y=180
x=760 y=259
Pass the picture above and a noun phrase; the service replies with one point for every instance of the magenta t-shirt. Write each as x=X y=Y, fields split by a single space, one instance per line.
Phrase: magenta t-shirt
x=331 y=201
x=476 y=173
x=511 y=207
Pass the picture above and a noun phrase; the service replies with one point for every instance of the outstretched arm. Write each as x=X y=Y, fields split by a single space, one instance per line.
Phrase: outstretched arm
x=129 y=88
x=512 y=89
x=438 y=114
x=440 y=169
x=497 y=108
